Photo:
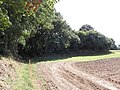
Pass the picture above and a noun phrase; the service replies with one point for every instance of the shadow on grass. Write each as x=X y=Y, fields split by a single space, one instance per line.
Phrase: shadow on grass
x=59 y=56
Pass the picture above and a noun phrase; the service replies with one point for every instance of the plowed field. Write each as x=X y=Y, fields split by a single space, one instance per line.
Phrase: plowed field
x=95 y=75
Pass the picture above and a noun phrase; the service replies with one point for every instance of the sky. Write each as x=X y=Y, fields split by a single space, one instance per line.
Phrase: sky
x=103 y=15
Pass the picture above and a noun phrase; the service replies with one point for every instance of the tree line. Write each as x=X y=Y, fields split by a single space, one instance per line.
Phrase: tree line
x=45 y=31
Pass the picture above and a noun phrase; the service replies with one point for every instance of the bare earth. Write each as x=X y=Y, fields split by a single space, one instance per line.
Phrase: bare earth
x=7 y=75
x=95 y=75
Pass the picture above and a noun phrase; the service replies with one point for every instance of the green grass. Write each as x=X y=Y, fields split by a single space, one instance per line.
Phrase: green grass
x=66 y=58
x=24 y=82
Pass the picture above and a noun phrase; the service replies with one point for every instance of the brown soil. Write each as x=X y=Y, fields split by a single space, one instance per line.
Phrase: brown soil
x=95 y=75
x=7 y=74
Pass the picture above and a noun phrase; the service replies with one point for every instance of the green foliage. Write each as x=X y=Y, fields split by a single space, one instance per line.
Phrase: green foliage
x=63 y=37
x=45 y=14
x=118 y=47
x=4 y=19
x=44 y=31
x=93 y=40
x=60 y=38
x=86 y=27
x=19 y=25
x=113 y=46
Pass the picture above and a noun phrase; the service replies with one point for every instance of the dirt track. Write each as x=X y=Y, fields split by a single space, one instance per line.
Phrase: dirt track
x=96 y=75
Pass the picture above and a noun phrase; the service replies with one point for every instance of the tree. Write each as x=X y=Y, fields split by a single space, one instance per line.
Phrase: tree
x=93 y=40
x=113 y=46
x=119 y=47
x=23 y=24
x=86 y=27
x=4 y=19
x=60 y=38
x=63 y=37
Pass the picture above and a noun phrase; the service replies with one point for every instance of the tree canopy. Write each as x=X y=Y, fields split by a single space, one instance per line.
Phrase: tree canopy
x=31 y=28
x=17 y=24
x=93 y=40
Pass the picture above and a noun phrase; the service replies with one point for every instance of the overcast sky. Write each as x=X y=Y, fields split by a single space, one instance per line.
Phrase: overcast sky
x=103 y=15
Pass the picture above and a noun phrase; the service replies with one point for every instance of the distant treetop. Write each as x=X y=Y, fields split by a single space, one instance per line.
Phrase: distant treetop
x=86 y=27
